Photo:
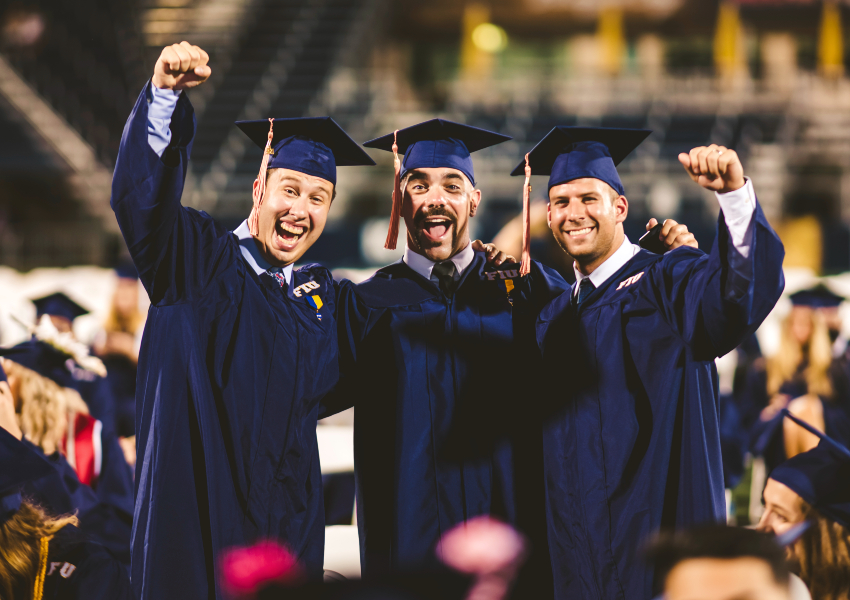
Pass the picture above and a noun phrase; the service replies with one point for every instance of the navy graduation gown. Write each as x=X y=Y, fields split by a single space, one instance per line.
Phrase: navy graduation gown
x=634 y=446
x=79 y=569
x=444 y=429
x=106 y=512
x=229 y=377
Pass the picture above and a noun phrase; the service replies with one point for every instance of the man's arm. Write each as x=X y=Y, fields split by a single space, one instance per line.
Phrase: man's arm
x=715 y=301
x=151 y=169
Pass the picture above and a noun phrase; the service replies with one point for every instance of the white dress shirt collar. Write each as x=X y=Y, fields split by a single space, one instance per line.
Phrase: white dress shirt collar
x=252 y=255
x=614 y=263
x=423 y=266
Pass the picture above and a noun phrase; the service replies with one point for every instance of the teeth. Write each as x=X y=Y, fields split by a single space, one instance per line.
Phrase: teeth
x=294 y=229
x=580 y=231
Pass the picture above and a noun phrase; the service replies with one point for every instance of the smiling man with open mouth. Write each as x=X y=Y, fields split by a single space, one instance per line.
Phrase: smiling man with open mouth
x=438 y=437
x=238 y=347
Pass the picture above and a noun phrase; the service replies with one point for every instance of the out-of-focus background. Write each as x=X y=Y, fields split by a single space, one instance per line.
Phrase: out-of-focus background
x=766 y=78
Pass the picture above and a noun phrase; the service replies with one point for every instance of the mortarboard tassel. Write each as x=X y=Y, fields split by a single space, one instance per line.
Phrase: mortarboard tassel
x=395 y=216
x=525 y=264
x=260 y=190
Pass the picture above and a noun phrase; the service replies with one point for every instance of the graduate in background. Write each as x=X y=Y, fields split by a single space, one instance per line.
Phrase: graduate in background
x=93 y=478
x=238 y=347
x=633 y=446
x=45 y=557
x=60 y=311
x=118 y=346
x=804 y=376
x=811 y=492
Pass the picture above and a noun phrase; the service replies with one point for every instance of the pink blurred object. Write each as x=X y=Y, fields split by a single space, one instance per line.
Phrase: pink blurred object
x=482 y=545
x=245 y=571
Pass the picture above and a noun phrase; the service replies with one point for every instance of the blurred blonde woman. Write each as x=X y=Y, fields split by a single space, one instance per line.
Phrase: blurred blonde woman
x=118 y=347
x=43 y=407
x=55 y=420
x=807 y=505
x=44 y=556
x=804 y=377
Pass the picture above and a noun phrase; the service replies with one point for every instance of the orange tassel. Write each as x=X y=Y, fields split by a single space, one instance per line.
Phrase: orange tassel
x=525 y=265
x=395 y=216
x=260 y=190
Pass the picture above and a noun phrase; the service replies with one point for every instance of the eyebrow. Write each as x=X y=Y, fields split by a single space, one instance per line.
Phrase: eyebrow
x=452 y=176
x=415 y=174
x=593 y=194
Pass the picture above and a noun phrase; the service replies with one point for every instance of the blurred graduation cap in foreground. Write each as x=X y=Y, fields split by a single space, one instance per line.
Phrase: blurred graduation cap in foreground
x=568 y=153
x=311 y=145
x=820 y=476
x=431 y=144
x=60 y=305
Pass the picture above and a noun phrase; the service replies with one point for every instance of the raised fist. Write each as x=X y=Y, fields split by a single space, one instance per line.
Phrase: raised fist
x=715 y=168
x=180 y=67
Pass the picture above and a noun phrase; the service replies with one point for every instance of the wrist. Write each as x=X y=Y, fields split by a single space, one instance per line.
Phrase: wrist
x=734 y=186
x=159 y=82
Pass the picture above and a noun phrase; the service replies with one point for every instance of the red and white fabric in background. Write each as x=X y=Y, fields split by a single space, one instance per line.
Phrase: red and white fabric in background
x=84 y=447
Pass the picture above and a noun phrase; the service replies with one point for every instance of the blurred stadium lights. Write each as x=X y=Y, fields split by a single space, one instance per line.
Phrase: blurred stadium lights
x=764 y=77
x=654 y=7
x=22 y=29
x=489 y=37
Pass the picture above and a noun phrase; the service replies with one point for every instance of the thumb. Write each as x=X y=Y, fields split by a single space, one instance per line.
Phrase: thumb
x=685 y=159
x=478 y=245
x=652 y=223
x=203 y=71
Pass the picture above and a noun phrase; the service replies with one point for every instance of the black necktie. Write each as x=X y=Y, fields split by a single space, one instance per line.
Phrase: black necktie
x=445 y=274
x=584 y=288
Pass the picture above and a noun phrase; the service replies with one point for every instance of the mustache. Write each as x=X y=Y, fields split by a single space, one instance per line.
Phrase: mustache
x=437 y=211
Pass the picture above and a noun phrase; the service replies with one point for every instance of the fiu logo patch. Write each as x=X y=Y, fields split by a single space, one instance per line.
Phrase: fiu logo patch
x=627 y=282
x=65 y=569
x=505 y=277
x=506 y=274
x=305 y=287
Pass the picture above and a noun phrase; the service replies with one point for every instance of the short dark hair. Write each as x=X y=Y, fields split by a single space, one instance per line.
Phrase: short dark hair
x=716 y=541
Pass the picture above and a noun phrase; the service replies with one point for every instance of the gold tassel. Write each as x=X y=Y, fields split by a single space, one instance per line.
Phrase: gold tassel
x=525 y=265
x=38 y=590
x=395 y=216
x=260 y=189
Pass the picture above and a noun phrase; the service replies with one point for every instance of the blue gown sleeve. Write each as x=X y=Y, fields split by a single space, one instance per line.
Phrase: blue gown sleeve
x=354 y=320
x=713 y=302
x=169 y=244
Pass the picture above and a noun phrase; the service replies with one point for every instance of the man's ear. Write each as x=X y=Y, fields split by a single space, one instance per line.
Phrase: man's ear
x=621 y=206
x=549 y=214
x=474 y=200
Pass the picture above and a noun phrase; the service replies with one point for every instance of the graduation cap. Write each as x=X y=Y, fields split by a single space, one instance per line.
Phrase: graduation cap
x=312 y=145
x=431 y=144
x=820 y=476
x=568 y=153
x=19 y=465
x=819 y=296
x=42 y=358
x=60 y=305
x=126 y=270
